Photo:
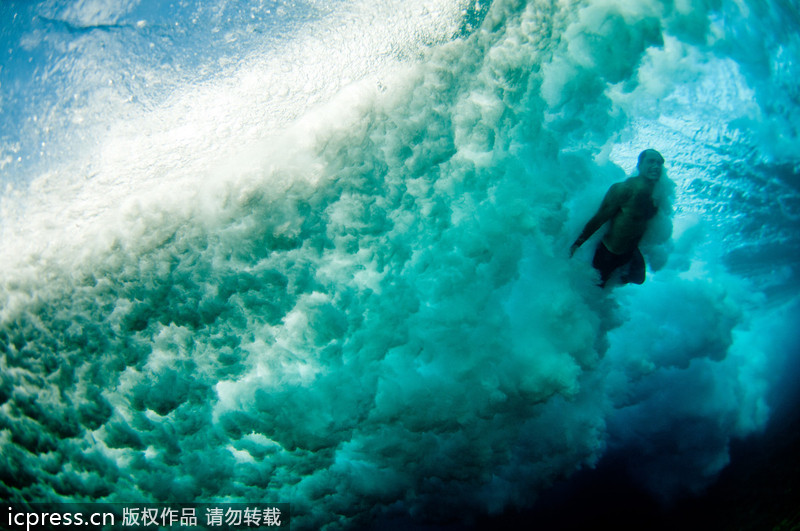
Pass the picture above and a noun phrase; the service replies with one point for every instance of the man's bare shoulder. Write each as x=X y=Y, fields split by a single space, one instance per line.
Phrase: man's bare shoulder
x=619 y=191
x=631 y=182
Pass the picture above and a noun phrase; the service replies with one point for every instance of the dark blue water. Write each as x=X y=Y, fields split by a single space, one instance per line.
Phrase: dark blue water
x=317 y=252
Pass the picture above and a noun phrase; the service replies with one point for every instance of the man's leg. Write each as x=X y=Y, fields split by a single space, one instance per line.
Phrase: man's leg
x=606 y=262
x=636 y=269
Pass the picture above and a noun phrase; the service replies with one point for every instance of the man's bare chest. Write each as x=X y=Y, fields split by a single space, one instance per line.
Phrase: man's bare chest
x=639 y=206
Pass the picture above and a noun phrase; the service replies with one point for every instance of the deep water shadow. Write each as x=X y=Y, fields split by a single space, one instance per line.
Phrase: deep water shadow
x=759 y=490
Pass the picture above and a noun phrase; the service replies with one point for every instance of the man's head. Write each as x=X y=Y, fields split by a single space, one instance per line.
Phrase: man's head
x=651 y=164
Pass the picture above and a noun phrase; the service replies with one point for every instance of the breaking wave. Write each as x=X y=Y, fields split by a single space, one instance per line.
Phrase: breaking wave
x=317 y=252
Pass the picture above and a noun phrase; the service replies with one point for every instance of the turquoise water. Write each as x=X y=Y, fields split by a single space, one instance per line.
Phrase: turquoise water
x=317 y=252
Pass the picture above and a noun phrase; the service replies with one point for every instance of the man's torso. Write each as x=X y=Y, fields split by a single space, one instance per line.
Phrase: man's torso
x=630 y=222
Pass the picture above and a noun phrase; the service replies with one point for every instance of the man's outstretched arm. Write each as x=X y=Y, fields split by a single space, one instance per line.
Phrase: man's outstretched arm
x=608 y=208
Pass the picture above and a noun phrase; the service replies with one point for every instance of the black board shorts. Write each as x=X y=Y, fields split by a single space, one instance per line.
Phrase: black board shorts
x=607 y=262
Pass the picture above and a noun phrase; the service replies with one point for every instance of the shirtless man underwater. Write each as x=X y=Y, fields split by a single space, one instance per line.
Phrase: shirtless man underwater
x=629 y=207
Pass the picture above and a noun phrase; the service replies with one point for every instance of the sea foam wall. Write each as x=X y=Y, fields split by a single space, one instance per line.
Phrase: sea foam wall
x=367 y=307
